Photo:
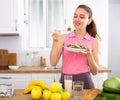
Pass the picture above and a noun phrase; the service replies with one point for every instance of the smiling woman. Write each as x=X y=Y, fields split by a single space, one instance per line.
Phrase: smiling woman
x=51 y=16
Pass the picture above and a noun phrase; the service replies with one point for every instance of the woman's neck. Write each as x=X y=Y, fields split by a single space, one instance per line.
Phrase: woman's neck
x=80 y=33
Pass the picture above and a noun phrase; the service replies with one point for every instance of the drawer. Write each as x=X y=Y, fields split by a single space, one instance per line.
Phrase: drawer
x=18 y=81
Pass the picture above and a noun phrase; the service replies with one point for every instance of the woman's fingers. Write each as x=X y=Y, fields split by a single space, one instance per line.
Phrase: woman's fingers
x=56 y=34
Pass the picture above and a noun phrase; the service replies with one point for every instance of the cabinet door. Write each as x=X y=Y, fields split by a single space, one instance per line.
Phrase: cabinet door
x=18 y=81
x=57 y=77
x=8 y=16
x=48 y=78
x=99 y=79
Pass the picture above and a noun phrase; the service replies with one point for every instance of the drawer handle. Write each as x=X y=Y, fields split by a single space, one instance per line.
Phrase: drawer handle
x=5 y=77
x=6 y=84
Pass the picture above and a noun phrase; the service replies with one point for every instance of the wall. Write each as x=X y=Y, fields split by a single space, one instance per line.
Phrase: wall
x=114 y=38
x=12 y=43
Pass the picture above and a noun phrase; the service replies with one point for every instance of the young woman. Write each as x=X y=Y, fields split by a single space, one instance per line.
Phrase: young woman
x=79 y=65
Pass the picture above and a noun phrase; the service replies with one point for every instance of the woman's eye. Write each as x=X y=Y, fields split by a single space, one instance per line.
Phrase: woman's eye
x=75 y=16
x=82 y=17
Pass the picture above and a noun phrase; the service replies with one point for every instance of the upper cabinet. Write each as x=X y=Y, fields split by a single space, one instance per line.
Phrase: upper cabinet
x=8 y=17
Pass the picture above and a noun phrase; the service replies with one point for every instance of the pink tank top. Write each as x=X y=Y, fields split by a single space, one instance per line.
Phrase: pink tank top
x=74 y=63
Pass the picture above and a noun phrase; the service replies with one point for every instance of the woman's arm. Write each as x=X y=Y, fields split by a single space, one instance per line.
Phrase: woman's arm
x=93 y=57
x=57 y=47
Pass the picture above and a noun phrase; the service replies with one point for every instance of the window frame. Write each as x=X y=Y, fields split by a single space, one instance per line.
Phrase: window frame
x=27 y=22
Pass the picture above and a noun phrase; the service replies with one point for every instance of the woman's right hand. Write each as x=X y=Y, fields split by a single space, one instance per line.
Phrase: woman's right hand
x=57 y=47
x=56 y=34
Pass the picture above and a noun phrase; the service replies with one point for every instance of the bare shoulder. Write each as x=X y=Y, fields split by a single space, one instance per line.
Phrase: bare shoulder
x=96 y=41
x=96 y=45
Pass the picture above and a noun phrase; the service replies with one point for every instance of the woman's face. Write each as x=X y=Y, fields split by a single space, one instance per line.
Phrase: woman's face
x=81 y=19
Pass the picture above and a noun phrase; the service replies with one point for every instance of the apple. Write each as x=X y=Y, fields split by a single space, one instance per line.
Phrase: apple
x=46 y=94
x=55 y=96
x=65 y=95
x=55 y=87
x=36 y=93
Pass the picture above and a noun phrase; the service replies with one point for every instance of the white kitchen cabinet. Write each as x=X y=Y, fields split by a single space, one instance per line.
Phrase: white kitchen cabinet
x=99 y=79
x=21 y=80
x=18 y=81
x=46 y=77
x=9 y=17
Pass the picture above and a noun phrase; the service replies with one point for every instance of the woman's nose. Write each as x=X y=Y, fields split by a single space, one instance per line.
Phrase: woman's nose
x=78 y=19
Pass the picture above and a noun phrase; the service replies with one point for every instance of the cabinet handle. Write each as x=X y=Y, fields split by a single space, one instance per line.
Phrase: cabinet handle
x=5 y=77
x=16 y=25
x=6 y=84
x=26 y=9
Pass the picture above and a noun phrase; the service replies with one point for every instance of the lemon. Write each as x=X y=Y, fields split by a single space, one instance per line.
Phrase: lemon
x=29 y=89
x=55 y=96
x=65 y=95
x=36 y=93
x=55 y=87
x=46 y=94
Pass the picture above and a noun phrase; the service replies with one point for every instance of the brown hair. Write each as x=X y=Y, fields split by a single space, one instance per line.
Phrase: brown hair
x=91 y=28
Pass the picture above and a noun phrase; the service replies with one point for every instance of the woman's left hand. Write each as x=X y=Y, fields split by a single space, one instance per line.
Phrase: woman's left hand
x=86 y=51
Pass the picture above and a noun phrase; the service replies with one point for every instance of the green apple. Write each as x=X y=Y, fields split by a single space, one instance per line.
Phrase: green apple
x=46 y=94
x=55 y=96
x=65 y=95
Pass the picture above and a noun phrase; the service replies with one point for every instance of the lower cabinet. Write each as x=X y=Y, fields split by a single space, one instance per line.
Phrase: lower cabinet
x=18 y=81
x=99 y=79
x=21 y=80
x=48 y=78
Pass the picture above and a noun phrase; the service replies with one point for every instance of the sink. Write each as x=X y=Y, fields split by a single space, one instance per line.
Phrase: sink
x=51 y=68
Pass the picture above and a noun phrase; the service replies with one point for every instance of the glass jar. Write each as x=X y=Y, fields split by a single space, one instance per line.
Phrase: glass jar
x=35 y=58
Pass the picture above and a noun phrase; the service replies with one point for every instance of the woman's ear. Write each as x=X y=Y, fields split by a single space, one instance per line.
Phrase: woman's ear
x=89 y=21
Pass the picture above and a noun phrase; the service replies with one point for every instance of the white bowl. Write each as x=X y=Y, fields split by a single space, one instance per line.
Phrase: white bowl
x=13 y=67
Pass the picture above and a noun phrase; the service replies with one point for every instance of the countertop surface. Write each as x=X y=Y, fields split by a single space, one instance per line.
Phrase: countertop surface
x=18 y=95
x=42 y=70
x=31 y=70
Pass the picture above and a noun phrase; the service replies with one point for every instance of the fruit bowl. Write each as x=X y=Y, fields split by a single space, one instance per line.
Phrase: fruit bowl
x=13 y=67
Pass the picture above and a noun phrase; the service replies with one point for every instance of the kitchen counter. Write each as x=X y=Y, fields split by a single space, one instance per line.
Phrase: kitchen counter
x=42 y=70
x=18 y=95
x=31 y=70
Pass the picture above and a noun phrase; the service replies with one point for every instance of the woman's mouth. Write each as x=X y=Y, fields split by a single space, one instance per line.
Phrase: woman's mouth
x=77 y=24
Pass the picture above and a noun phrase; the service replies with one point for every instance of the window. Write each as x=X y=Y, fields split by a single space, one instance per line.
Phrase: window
x=44 y=17
x=54 y=18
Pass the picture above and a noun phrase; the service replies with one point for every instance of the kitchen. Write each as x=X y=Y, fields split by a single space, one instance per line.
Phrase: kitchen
x=17 y=43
